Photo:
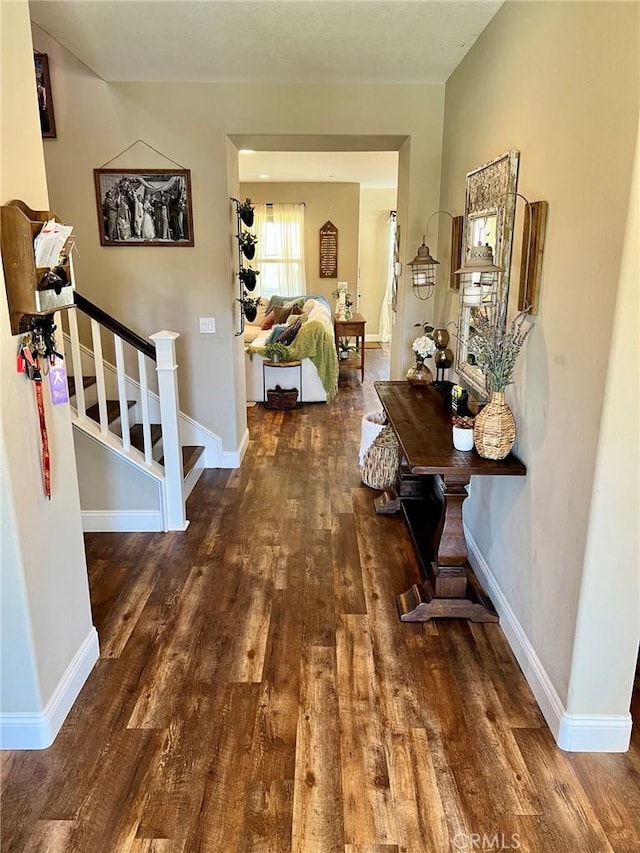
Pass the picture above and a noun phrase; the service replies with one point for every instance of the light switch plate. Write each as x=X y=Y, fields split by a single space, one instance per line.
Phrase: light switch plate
x=207 y=325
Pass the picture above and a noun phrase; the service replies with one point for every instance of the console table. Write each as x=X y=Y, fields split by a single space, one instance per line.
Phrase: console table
x=434 y=515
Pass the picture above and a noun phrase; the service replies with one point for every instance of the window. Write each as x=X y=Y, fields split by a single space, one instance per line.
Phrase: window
x=280 y=249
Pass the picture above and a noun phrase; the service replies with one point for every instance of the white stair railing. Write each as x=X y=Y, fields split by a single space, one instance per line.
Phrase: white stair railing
x=112 y=379
x=167 y=370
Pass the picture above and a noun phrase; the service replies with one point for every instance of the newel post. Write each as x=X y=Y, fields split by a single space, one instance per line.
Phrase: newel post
x=167 y=370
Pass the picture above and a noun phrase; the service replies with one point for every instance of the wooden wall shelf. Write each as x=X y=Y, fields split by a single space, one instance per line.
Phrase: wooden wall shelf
x=26 y=294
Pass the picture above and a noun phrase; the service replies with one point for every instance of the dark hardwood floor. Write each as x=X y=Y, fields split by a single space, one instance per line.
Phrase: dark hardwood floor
x=256 y=692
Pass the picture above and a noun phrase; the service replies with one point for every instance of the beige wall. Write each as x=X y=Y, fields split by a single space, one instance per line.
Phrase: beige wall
x=559 y=82
x=46 y=614
x=155 y=288
x=375 y=206
x=338 y=202
x=608 y=630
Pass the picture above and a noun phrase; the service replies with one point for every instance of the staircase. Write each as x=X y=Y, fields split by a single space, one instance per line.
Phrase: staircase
x=126 y=419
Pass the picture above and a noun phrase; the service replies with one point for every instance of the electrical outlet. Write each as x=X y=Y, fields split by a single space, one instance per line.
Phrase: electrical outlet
x=207 y=325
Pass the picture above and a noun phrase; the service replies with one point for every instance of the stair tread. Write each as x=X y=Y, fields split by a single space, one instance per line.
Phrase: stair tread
x=87 y=382
x=136 y=434
x=190 y=455
x=113 y=410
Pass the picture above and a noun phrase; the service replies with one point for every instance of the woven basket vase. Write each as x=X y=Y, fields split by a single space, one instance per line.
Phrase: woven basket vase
x=381 y=461
x=494 y=429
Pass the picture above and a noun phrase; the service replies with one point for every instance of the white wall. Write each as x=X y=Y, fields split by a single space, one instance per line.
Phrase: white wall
x=44 y=574
x=154 y=288
x=375 y=206
x=559 y=82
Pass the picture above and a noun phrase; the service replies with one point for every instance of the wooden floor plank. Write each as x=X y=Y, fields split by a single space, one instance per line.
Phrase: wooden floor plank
x=257 y=692
x=368 y=808
x=317 y=801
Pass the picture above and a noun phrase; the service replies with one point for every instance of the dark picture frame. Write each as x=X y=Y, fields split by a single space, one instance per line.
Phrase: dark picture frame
x=45 y=97
x=144 y=207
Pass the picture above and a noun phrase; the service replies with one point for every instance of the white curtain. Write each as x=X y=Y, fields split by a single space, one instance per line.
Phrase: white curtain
x=387 y=302
x=280 y=250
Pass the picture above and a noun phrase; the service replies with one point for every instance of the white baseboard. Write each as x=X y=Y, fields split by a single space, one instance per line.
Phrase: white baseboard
x=233 y=458
x=371 y=338
x=122 y=521
x=572 y=732
x=602 y=733
x=38 y=730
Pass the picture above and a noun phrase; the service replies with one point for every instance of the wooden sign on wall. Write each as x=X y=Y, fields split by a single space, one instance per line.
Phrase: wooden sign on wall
x=328 y=251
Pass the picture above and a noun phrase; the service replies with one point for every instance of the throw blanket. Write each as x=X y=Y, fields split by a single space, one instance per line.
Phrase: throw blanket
x=314 y=341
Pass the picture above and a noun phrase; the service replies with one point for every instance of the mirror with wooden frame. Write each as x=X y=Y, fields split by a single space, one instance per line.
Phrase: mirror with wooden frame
x=488 y=218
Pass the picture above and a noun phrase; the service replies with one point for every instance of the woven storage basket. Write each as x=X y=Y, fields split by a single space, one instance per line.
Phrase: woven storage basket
x=282 y=400
x=494 y=429
x=381 y=461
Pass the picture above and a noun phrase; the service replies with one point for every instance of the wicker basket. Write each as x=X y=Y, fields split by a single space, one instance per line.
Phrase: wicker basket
x=282 y=400
x=381 y=461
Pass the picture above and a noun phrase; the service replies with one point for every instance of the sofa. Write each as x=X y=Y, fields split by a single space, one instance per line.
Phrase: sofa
x=313 y=345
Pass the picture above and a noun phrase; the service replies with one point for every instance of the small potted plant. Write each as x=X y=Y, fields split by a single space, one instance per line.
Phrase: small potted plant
x=344 y=348
x=276 y=352
x=246 y=212
x=462 y=432
x=247 y=244
x=344 y=302
x=249 y=306
x=249 y=278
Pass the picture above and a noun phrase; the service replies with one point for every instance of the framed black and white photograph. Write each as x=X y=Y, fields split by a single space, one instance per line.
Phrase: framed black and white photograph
x=45 y=99
x=141 y=207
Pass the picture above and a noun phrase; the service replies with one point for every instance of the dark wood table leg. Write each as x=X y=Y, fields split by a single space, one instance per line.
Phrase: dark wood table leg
x=449 y=588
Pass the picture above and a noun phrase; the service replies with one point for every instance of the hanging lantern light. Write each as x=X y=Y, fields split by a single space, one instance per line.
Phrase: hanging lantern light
x=481 y=274
x=423 y=272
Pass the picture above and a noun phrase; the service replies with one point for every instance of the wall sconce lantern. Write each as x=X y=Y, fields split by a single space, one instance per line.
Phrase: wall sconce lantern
x=480 y=285
x=423 y=266
x=423 y=272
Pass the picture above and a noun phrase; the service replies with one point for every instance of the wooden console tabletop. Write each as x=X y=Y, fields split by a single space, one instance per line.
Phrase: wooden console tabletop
x=424 y=432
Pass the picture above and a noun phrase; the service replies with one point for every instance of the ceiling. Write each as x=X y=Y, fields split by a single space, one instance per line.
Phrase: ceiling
x=368 y=168
x=269 y=41
x=275 y=41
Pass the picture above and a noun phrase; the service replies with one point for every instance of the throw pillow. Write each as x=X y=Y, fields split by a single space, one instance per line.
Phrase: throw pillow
x=290 y=332
x=284 y=300
x=269 y=320
x=262 y=313
x=281 y=314
x=275 y=333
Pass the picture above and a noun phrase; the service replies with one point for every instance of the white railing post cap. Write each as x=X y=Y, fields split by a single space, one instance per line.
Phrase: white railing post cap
x=164 y=335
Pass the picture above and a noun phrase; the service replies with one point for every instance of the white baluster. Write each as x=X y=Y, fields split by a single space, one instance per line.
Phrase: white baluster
x=77 y=362
x=99 y=368
x=122 y=392
x=144 y=404
x=166 y=369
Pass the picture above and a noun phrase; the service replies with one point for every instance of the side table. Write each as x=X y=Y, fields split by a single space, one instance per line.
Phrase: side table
x=279 y=364
x=353 y=328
